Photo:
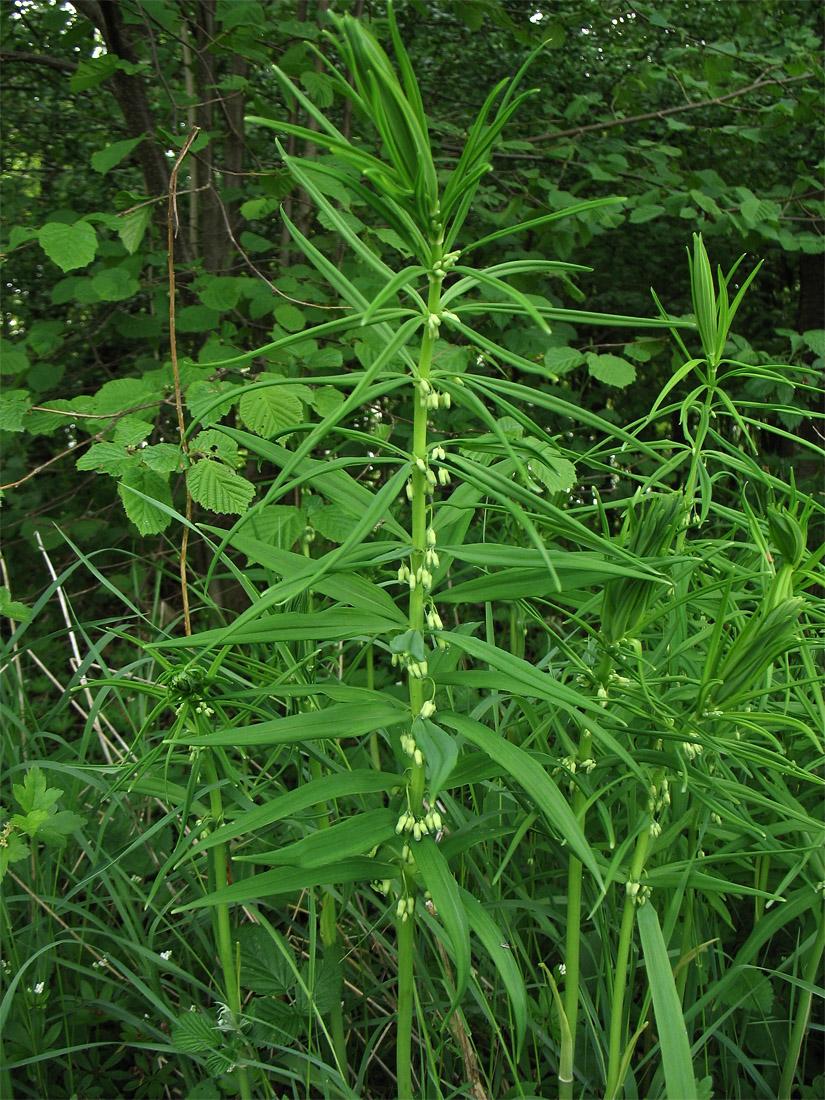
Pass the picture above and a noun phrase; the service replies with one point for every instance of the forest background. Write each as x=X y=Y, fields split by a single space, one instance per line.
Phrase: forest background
x=696 y=117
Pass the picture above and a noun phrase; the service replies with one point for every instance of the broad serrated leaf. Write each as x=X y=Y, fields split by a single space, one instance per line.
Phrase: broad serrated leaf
x=105 y=159
x=271 y=410
x=69 y=246
x=646 y=213
x=194 y=1033
x=289 y=317
x=30 y=823
x=163 y=458
x=43 y=422
x=146 y=516
x=115 y=284
x=34 y=793
x=749 y=989
x=197 y=319
x=562 y=360
x=277 y=525
x=324 y=358
x=13 y=358
x=326 y=400
x=216 y=444
x=200 y=395
x=107 y=458
x=755 y=211
x=815 y=340
x=16 y=849
x=331 y=521
x=218 y=488
x=45 y=336
x=13 y=609
x=132 y=430
x=264 y=968
x=319 y=87
x=325 y=991
x=132 y=226
x=93 y=71
x=13 y=408
x=610 y=369
x=552 y=470
x=124 y=393
x=58 y=827
x=220 y=292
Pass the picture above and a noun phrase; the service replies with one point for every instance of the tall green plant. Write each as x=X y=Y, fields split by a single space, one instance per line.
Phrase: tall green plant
x=586 y=729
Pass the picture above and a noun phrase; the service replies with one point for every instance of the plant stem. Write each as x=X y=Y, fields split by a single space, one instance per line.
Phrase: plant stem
x=421 y=489
x=573 y=933
x=620 y=975
x=406 y=967
x=220 y=855
x=803 y=1012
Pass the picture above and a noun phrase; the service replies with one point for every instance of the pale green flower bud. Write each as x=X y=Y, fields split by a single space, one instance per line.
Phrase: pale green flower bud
x=443 y=476
x=427 y=709
x=431 y=536
x=418 y=756
x=410 y=491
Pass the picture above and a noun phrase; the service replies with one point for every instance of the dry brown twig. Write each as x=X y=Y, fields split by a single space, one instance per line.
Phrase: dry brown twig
x=172 y=229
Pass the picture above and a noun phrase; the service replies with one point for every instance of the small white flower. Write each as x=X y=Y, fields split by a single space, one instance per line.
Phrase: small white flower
x=166 y=955
x=562 y=969
x=38 y=989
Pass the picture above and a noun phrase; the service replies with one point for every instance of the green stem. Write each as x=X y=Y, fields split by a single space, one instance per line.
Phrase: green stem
x=620 y=977
x=406 y=971
x=573 y=934
x=421 y=490
x=220 y=856
x=803 y=1012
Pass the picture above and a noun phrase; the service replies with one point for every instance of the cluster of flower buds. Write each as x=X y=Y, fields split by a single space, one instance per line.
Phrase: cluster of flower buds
x=419 y=826
x=637 y=893
x=422 y=576
x=434 y=621
x=691 y=749
x=405 y=908
x=412 y=750
x=442 y=266
x=431 y=557
x=659 y=797
x=406 y=576
x=381 y=886
x=440 y=455
x=416 y=669
x=423 y=467
x=655 y=829
x=430 y=398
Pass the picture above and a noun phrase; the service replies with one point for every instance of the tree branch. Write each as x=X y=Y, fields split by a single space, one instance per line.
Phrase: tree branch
x=56 y=63
x=554 y=135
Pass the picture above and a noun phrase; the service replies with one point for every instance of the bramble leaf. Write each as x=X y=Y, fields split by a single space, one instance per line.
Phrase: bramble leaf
x=218 y=488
